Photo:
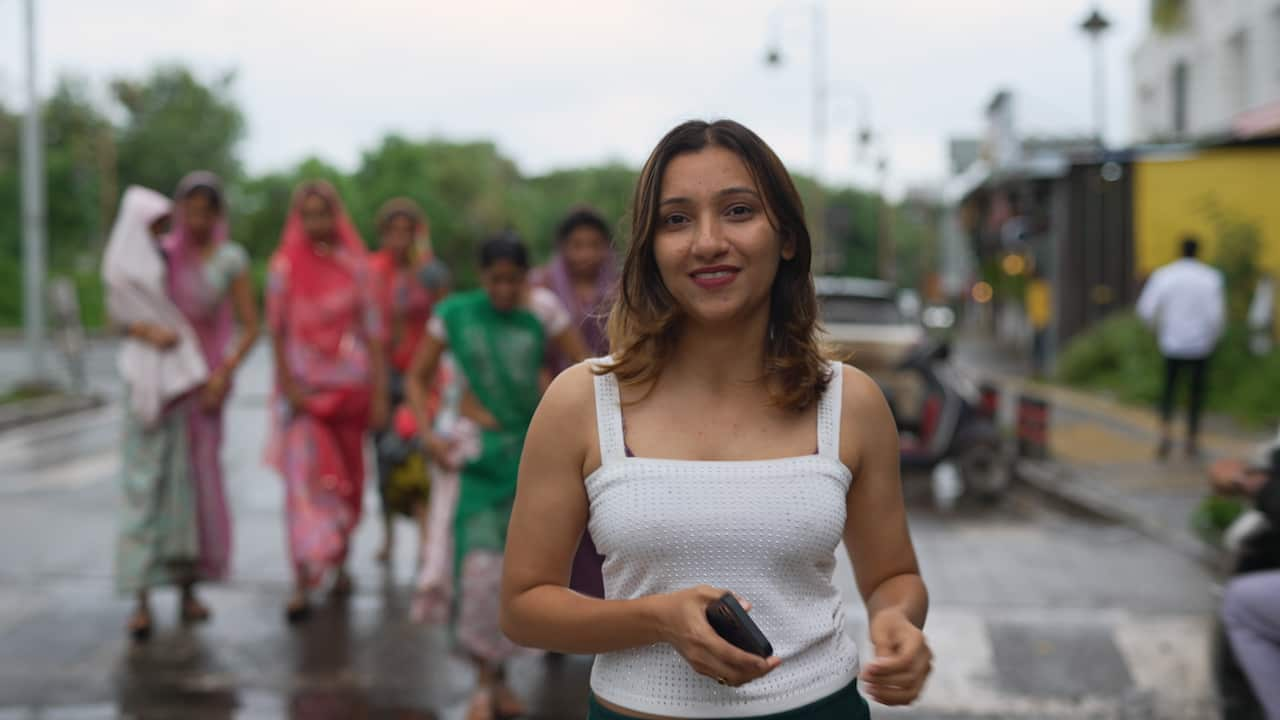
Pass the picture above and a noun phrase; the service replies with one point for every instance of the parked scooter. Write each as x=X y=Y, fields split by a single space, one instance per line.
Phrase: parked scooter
x=953 y=436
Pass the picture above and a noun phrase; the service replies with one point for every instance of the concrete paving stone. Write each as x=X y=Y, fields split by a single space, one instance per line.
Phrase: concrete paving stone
x=1063 y=662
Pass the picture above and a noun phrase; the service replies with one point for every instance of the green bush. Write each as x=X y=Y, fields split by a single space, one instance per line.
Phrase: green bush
x=1214 y=515
x=1120 y=356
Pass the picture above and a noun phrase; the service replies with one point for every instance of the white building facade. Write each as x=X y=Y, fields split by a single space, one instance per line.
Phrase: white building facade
x=1215 y=75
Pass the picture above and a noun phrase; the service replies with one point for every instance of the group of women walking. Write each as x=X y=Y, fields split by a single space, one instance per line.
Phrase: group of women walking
x=366 y=346
x=710 y=447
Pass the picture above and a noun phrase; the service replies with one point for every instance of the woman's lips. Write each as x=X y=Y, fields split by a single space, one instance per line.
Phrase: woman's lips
x=714 y=277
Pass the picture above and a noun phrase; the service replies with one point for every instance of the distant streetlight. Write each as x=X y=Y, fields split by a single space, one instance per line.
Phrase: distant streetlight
x=818 y=115
x=1095 y=26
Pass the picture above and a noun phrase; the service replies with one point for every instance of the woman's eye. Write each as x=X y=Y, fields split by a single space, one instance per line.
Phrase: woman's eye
x=739 y=211
x=675 y=219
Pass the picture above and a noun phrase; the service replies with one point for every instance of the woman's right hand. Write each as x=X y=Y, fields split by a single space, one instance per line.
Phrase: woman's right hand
x=685 y=627
x=297 y=400
x=439 y=450
x=161 y=338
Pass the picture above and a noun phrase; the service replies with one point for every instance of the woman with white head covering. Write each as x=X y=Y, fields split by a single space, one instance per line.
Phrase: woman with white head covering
x=160 y=362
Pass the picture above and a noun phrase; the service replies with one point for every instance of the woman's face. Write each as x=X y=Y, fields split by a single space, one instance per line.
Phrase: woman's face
x=504 y=281
x=317 y=217
x=200 y=215
x=398 y=235
x=159 y=227
x=585 y=251
x=714 y=246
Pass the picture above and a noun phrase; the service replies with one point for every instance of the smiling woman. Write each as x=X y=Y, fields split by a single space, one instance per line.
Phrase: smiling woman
x=755 y=195
x=717 y=451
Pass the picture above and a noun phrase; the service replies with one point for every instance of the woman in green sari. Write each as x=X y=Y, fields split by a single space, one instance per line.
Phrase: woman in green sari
x=498 y=336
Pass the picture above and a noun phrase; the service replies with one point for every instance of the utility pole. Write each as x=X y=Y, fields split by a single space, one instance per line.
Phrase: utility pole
x=33 y=211
x=818 y=121
x=1095 y=26
x=819 y=141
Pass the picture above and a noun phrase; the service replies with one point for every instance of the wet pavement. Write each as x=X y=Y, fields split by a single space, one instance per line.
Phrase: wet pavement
x=1036 y=613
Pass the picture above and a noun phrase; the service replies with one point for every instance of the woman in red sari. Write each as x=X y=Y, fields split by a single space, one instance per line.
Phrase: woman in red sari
x=398 y=268
x=327 y=338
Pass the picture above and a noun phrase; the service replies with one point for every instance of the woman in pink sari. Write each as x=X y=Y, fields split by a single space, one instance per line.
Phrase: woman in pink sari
x=327 y=336
x=583 y=273
x=209 y=282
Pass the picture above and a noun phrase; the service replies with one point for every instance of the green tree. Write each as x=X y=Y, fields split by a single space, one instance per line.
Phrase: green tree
x=853 y=223
x=468 y=191
x=174 y=124
x=78 y=157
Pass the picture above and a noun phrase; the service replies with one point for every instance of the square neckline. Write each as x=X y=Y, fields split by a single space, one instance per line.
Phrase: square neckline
x=611 y=432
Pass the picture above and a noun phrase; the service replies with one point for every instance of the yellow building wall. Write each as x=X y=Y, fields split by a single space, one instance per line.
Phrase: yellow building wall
x=1172 y=196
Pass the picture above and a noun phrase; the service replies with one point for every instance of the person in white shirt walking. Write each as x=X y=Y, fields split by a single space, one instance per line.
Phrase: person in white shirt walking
x=1184 y=303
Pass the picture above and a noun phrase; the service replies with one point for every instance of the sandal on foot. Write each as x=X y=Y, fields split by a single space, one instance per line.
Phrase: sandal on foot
x=343 y=586
x=194 y=611
x=298 y=610
x=140 y=626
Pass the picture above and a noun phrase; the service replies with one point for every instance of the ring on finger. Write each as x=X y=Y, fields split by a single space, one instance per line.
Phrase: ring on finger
x=722 y=681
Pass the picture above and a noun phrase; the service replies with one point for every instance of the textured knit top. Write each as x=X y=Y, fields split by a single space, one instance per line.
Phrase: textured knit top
x=765 y=529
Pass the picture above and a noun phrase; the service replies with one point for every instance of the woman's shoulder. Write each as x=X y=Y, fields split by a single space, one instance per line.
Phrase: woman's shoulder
x=572 y=390
x=232 y=257
x=458 y=299
x=542 y=298
x=859 y=392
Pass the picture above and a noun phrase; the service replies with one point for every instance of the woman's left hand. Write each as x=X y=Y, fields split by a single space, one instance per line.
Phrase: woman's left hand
x=380 y=412
x=903 y=660
x=215 y=389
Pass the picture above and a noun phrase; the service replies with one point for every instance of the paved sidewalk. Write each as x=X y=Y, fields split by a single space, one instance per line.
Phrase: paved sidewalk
x=1103 y=453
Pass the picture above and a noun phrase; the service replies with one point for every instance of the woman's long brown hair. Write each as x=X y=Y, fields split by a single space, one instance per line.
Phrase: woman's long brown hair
x=646 y=320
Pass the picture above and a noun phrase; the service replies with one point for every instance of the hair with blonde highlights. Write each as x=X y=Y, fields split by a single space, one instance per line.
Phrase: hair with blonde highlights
x=646 y=320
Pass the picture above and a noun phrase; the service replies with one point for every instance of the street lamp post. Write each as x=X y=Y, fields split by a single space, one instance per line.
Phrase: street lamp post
x=1095 y=26
x=33 y=211
x=818 y=124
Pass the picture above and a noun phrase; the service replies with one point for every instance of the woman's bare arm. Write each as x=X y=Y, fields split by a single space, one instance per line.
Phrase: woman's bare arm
x=876 y=534
x=880 y=548
x=246 y=309
x=547 y=522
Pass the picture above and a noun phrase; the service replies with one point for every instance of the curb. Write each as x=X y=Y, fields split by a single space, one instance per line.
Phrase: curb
x=27 y=412
x=1053 y=480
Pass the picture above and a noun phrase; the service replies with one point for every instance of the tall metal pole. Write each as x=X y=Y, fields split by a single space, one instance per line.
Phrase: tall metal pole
x=1095 y=26
x=819 y=140
x=33 y=212
x=1099 y=92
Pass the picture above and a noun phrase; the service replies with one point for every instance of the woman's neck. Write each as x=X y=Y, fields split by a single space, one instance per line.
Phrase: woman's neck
x=724 y=355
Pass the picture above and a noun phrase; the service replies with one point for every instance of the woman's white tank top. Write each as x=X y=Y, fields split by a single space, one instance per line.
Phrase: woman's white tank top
x=766 y=529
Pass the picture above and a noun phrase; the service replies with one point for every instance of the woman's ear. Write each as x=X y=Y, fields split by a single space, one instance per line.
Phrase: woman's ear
x=788 y=248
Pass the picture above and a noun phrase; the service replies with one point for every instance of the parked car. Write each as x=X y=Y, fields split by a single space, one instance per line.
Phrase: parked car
x=862 y=320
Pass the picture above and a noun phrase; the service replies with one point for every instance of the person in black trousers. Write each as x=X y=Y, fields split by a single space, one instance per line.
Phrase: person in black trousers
x=1184 y=303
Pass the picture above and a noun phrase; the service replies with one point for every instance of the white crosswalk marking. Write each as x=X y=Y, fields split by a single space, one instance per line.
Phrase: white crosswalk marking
x=1167 y=656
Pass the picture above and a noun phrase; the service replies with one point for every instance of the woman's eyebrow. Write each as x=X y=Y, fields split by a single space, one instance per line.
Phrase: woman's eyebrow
x=736 y=190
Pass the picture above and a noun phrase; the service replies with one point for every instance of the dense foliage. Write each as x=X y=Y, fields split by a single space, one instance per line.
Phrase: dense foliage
x=153 y=129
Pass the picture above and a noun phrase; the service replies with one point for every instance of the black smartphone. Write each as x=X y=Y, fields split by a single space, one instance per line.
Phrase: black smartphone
x=732 y=623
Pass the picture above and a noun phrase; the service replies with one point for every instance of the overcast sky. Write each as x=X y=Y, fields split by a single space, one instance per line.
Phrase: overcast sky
x=570 y=83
